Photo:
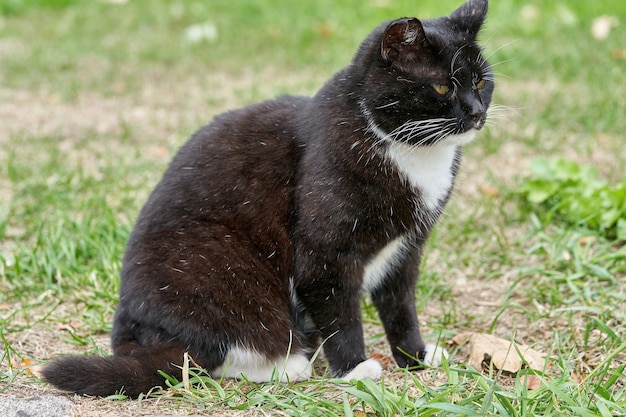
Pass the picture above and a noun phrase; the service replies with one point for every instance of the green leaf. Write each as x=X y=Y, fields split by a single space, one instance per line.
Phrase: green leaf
x=566 y=191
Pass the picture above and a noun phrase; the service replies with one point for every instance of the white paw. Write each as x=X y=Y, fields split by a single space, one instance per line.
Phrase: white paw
x=367 y=369
x=434 y=355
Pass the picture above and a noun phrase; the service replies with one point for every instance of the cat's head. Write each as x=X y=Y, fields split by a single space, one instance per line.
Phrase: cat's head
x=426 y=82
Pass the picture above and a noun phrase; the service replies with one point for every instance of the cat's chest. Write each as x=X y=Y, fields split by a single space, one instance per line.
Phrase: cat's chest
x=429 y=172
x=426 y=169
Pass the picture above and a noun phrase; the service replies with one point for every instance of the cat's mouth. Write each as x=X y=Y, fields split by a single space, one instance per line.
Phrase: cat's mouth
x=461 y=138
x=428 y=132
x=474 y=121
x=468 y=130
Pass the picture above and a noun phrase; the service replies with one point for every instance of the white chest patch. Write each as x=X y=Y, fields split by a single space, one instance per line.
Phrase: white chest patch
x=426 y=168
x=381 y=264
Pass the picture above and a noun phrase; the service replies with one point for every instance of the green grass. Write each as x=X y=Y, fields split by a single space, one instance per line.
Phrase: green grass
x=97 y=96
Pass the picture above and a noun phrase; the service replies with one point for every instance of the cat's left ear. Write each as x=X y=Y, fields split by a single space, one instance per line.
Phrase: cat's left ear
x=404 y=41
x=470 y=17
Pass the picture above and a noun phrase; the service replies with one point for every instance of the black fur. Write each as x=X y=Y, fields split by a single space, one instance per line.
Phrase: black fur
x=260 y=230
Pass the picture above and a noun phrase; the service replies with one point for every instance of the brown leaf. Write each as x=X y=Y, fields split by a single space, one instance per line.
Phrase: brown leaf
x=27 y=363
x=502 y=353
x=382 y=359
x=577 y=378
x=587 y=240
x=325 y=30
x=619 y=54
x=489 y=191
x=531 y=381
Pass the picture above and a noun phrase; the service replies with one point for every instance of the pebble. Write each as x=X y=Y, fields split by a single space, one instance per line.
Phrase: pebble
x=38 y=406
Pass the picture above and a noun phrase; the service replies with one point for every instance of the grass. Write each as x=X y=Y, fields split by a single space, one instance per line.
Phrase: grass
x=97 y=97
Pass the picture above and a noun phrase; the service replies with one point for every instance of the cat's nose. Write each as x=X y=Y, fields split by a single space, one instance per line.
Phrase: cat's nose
x=478 y=118
x=473 y=109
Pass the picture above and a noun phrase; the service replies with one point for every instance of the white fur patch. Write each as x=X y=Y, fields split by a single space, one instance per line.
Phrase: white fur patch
x=427 y=168
x=380 y=265
x=461 y=138
x=435 y=354
x=256 y=367
x=367 y=369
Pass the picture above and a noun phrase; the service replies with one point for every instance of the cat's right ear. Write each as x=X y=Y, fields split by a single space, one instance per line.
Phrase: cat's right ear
x=404 y=42
x=470 y=16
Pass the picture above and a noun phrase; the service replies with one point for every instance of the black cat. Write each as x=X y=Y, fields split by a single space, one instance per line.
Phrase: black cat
x=271 y=221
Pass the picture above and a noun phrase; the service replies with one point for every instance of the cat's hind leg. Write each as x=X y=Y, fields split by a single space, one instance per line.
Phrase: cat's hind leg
x=253 y=366
x=217 y=294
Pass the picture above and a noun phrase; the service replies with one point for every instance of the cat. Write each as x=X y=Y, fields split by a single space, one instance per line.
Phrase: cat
x=271 y=221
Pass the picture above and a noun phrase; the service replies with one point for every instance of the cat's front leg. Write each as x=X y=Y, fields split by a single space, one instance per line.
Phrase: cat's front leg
x=395 y=300
x=396 y=308
x=333 y=303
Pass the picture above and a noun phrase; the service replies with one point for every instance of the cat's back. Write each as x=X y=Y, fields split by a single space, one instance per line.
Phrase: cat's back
x=240 y=166
x=245 y=139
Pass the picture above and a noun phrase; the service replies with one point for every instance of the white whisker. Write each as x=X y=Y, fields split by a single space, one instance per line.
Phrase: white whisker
x=502 y=62
x=501 y=47
x=493 y=76
x=454 y=58
x=387 y=105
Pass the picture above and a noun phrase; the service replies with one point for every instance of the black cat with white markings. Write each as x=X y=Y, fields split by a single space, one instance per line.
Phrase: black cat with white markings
x=272 y=221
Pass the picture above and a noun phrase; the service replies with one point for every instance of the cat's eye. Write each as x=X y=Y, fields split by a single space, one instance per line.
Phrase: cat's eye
x=441 y=88
x=480 y=84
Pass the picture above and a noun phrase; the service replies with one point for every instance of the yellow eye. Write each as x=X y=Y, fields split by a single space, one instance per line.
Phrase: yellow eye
x=441 y=88
x=480 y=84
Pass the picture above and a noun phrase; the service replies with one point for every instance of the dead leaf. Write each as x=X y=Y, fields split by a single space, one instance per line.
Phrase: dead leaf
x=382 y=359
x=587 y=240
x=325 y=30
x=489 y=191
x=619 y=54
x=503 y=354
x=28 y=364
x=531 y=381
x=577 y=378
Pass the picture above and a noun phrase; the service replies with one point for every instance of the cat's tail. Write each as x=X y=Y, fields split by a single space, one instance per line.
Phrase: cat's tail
x=128 y=374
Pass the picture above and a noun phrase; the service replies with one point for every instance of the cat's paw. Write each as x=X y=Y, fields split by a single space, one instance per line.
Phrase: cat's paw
x=434 y=355
x=367 y=369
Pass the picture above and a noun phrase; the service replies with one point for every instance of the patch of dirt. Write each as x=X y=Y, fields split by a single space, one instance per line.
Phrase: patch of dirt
x=157 y=112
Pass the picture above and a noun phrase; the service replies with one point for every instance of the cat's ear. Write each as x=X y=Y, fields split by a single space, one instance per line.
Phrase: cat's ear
x=404 y=41
x=470 y=17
